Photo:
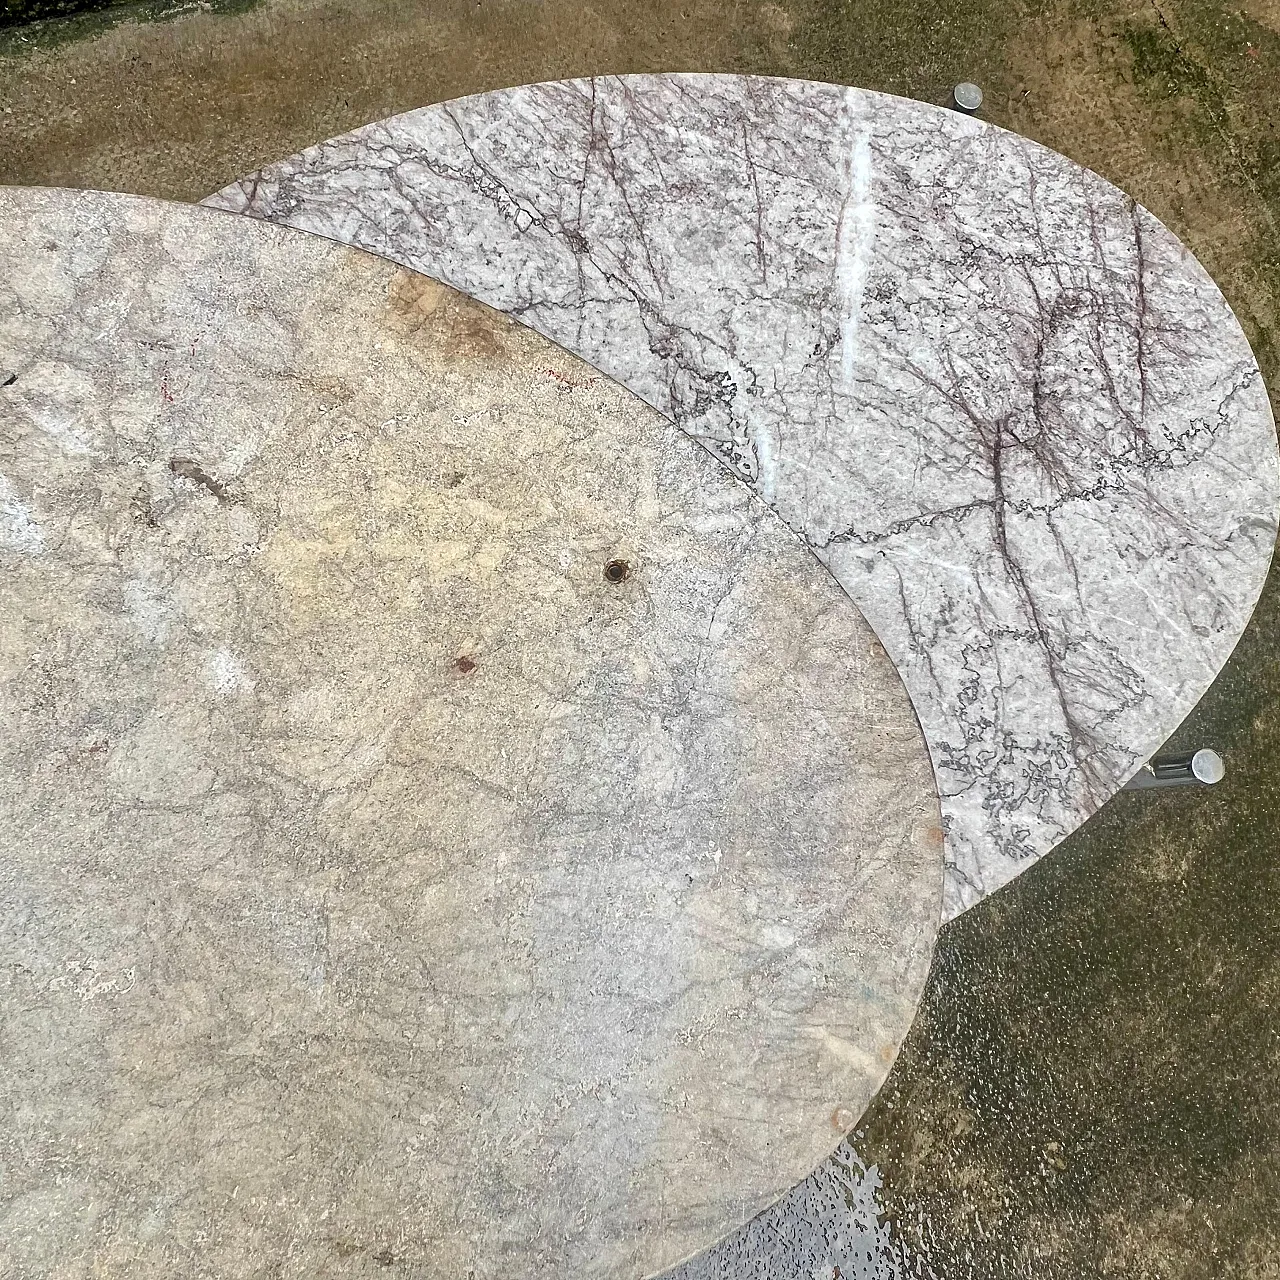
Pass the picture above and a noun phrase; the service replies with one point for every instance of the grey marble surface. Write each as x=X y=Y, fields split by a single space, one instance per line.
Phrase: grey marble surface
x=1008 y=408
x=383 y=886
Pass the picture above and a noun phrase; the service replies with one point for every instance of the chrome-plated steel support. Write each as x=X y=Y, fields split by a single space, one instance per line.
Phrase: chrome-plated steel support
x=1201 y=768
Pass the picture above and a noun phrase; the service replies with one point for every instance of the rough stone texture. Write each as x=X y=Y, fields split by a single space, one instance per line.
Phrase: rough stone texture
x=382 y=884
x=1004 y=403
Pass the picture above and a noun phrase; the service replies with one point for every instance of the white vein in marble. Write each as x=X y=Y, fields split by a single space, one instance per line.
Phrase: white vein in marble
x=1008 y=408
x=383 y=886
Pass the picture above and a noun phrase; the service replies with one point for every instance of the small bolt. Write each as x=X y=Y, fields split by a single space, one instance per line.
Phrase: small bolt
x=617 y=571
x=966 y=97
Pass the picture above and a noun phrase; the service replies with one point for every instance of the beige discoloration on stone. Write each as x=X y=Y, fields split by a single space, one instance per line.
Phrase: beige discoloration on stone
x=449 y=323
x=382 y=881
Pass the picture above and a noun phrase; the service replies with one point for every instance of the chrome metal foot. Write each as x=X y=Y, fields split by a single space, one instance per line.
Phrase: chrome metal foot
x=1202 y=768
x=966 y=97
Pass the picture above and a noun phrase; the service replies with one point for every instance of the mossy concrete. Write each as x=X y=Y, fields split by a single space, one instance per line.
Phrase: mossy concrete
x=27 y=25
x=1092 y=1088
x=20 y=12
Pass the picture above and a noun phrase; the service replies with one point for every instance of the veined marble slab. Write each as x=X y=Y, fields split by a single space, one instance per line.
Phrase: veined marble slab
x=384 y=883
x=1007 y=407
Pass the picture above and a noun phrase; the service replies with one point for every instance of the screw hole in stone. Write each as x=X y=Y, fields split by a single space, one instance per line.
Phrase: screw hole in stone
x=465 y=665
x=10 y=380
x=617 y=571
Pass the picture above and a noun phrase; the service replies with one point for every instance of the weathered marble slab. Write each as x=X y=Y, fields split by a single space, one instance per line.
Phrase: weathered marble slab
x=1008 y=408
x=382 y=884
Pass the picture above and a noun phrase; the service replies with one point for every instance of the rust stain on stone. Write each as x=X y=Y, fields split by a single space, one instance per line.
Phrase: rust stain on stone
x=446 y=321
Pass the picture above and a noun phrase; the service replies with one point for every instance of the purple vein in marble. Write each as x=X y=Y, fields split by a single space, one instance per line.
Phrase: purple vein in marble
x=1003 y=403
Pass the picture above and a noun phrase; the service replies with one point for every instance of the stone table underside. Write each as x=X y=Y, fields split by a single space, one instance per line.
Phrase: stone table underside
x=1006 y=406
x=379 y=877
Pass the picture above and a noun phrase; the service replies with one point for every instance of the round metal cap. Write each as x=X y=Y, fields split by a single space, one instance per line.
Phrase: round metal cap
x=1207 y=766
x=967 y=96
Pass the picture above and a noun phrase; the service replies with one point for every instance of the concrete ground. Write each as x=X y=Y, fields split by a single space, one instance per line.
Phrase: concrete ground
x=1092 y=1087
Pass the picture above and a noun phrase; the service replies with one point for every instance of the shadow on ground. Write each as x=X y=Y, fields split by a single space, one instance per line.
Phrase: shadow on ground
x=1092 y=1087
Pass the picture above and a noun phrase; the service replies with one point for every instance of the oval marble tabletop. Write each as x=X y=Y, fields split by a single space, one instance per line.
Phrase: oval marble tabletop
x=1007 y=407
x=447 y=816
